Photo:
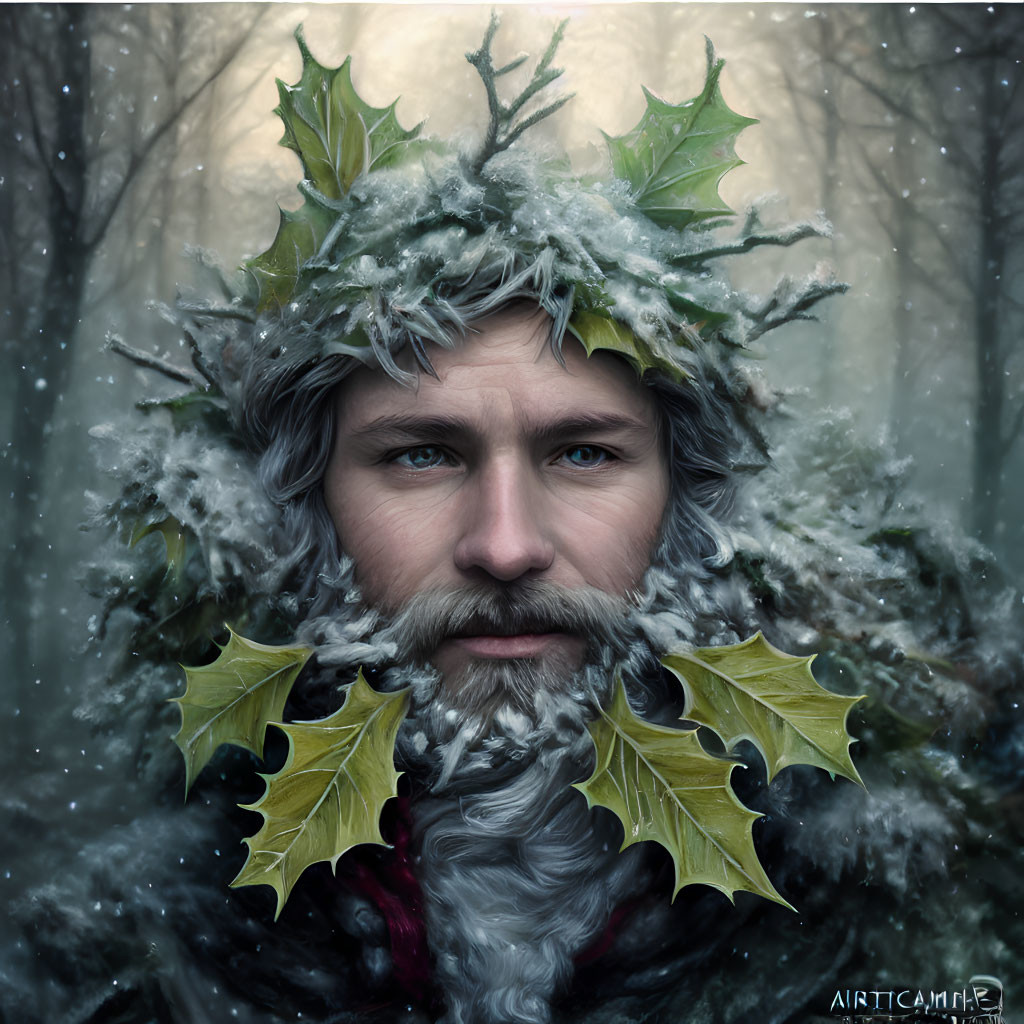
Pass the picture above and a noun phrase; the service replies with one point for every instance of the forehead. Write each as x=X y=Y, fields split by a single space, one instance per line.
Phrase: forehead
x=504 y=368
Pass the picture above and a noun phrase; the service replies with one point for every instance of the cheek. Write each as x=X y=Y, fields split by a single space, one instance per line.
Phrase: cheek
x=395 y=541
x=609 y=536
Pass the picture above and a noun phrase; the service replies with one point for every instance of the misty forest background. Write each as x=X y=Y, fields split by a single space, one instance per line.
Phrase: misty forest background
x=130 y=132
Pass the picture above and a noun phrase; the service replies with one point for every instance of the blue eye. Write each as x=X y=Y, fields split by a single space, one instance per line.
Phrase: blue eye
x=586 y=456
x=425 y=457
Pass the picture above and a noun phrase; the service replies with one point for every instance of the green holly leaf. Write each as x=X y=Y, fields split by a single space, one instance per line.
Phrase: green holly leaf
x=300 y=234
x=675 y=157
x=174 y=543
x=597 y=331
x=338 y=137
x=664 y=786
x=336 y=134
x=233 y=699
x=329 y=795
x=751 y=691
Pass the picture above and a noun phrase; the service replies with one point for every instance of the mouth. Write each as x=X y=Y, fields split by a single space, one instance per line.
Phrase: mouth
x=505 y=645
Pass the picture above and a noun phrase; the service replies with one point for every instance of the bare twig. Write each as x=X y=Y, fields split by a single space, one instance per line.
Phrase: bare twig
x=152 y=362
x=45 y=157
x=216 y=312
x=502 y=129
x=788 y=237
x=787 y=304
x=199 y=360
x=1011 y=300
x=891 y=191
x=957 y=152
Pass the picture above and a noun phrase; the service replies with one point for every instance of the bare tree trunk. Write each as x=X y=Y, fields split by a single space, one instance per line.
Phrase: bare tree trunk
x=169 y=192
x=51 y=45
x=47 y=356
x=903 y=315
x=827 y=40
x=988 y=415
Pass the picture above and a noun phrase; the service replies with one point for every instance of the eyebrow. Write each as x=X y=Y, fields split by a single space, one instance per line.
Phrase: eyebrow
x=403 y=427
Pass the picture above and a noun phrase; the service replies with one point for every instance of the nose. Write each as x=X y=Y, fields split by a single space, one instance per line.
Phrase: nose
x=503 y=530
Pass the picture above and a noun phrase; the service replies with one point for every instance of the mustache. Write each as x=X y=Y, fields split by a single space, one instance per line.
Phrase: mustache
x=520 y=607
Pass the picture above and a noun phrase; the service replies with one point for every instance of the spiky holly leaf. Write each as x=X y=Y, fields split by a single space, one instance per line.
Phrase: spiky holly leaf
x=329 y=795
x=338 y=137
x=664 y=786
x=675 y=157
x=596 y=331
x=173 y=534
x=300 y=234
x=335 y=133
x=751 y=691
x=233 y=699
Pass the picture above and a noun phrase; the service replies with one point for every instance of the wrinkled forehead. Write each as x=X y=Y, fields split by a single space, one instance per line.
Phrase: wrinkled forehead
x=505 y=365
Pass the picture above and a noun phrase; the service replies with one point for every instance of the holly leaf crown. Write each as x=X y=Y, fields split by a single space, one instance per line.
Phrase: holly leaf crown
x=666 y=170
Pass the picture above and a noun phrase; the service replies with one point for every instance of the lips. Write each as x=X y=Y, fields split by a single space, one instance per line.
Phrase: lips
x=518 y=645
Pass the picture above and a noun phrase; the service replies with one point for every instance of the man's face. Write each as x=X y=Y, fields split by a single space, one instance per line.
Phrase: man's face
x=506 y=469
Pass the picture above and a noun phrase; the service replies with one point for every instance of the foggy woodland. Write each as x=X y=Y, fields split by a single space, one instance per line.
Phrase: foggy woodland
x=133 y=132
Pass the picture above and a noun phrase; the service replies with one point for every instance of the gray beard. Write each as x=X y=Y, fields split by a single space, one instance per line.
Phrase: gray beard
x=516 y=882
x=518 y=876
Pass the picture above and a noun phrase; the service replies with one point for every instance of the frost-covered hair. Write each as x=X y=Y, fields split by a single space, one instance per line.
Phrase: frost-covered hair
x=289 y=419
